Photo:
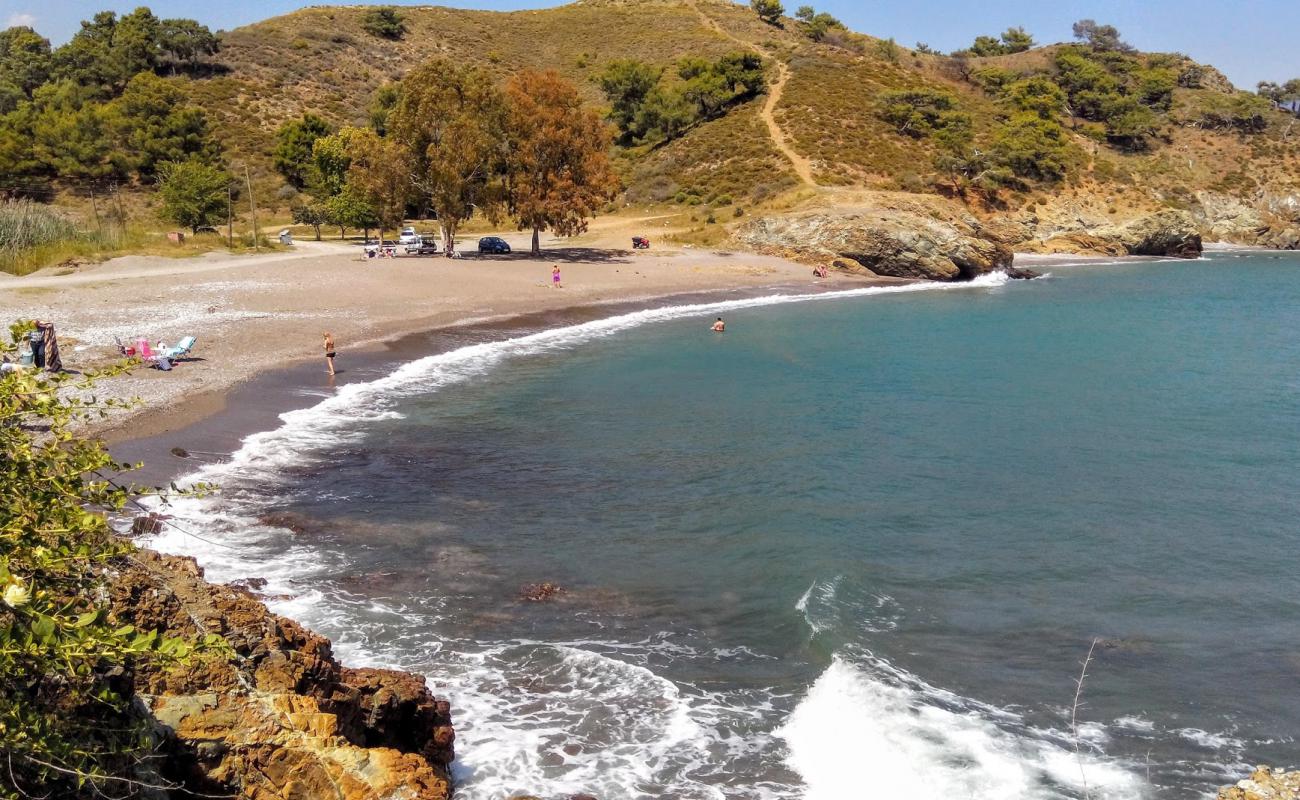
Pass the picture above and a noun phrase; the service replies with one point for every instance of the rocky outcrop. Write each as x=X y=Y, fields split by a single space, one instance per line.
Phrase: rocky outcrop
x=1268 y=220
x=1164 y=233
x=1264 y=784
x=891 y=242
x=267 y=712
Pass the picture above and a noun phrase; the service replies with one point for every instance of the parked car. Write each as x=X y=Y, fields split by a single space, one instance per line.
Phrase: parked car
x=407 y=236
x=493 y=244
x=422 y=246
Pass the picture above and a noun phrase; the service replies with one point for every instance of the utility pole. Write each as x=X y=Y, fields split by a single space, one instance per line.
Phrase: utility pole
x=95 y=207
x=257 y=247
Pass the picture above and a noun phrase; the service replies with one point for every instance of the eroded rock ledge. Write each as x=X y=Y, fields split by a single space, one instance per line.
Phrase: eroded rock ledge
x=275 y=716
x=912 y=240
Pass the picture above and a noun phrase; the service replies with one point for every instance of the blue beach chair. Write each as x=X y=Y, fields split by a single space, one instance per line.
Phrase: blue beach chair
x=181 y=349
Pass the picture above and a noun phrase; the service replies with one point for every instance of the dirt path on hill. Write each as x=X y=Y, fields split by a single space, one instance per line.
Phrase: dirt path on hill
x=802 y=166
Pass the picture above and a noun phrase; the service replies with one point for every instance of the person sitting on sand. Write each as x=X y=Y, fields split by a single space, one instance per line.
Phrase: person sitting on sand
x=555 y=277
x=329 y=351
x=819 y=271
x=719 y=326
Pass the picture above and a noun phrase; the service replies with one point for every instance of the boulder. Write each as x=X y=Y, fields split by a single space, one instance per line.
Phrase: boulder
x=889 y=242
x=1264 y=784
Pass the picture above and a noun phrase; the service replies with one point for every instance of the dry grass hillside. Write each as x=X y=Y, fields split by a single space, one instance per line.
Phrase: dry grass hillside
x=320 y=59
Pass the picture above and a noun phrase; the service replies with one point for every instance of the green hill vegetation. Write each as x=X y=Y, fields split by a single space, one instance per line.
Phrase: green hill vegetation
x=713 y=102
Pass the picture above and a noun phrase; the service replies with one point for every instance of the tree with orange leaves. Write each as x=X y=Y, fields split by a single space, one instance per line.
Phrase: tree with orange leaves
x=559 y=170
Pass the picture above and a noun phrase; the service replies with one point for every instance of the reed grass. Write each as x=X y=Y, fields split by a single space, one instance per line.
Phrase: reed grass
x=34 y=236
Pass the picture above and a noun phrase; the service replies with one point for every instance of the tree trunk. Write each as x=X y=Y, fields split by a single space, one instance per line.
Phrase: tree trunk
x=448 y=240
x=317 y=227
x=537 y=245
x=343 y=233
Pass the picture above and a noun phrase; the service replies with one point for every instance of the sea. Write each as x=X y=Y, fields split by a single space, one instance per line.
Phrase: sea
x=1002 y=539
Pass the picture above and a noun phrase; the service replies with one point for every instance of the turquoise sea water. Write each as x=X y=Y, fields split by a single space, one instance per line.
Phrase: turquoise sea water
x=857 y=546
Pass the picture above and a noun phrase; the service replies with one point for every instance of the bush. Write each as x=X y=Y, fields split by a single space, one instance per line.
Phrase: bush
x=384 y=22
x=67 y=726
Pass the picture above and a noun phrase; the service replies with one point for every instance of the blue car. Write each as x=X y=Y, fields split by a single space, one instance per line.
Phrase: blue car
x=493 y=244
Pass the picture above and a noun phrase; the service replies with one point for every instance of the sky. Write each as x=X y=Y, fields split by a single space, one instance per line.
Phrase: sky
x=1250 y=40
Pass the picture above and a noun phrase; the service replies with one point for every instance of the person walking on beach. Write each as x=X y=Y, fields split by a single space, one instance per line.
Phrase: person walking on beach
x=555 y=277
x=329 y=351
x=719 y=326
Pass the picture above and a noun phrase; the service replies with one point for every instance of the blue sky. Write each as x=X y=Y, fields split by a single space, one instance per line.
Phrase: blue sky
x=1250 y=40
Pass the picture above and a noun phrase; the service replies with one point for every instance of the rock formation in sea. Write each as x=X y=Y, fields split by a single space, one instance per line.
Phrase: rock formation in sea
x=273 y=715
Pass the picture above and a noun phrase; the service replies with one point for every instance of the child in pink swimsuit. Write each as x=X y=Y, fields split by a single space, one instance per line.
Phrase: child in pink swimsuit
x=555 y=277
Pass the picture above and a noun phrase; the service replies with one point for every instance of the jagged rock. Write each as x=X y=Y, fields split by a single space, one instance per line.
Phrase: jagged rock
x=890 y=242
x=1264 y=784
x=275 y=716
x=1020 y=274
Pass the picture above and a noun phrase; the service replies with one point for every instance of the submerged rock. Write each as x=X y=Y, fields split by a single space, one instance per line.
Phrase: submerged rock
x=1264 y=784
x=891 y=242
x=541 y=592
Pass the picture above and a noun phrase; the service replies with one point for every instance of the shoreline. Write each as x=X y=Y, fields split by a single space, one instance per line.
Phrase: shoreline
x=251 y=315
x=220 y=417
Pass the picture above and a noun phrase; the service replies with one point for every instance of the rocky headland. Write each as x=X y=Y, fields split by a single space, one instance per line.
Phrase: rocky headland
x=921 y=242
x=270 y=713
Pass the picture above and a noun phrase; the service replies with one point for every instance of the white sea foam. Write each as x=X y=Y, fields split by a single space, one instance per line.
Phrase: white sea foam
x=857 y=734
x=566 y=717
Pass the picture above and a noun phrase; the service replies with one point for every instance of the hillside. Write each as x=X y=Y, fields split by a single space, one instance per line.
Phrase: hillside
x=825 y=111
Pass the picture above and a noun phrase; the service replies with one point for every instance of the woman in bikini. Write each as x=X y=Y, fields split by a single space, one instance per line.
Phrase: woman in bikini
x=329 y=351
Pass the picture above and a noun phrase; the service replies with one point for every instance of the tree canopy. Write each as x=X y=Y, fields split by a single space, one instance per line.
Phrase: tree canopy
x=451 y=122
x=769 y=11
x=193 y=193
x=293 y=148
x=559 y=170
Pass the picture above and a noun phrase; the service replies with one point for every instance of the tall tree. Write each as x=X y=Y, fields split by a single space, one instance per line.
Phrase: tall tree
x=1016 y=40
x=626 y=84
x=559 y=170
x=379 y=170
x=154 y=123
x=24 y=65
x=186 y=42
x=1104 y=38
x=451 y=120
x=293 y=147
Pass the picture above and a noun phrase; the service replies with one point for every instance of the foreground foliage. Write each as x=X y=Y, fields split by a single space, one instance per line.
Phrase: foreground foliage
x=66 y=727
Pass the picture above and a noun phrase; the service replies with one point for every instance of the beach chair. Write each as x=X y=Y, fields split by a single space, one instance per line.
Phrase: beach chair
x=181 y=349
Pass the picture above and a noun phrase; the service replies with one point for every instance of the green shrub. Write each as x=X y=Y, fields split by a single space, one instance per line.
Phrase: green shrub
x=384 y=22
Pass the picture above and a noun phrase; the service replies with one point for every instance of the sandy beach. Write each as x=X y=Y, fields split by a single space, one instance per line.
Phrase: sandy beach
x=254 y=313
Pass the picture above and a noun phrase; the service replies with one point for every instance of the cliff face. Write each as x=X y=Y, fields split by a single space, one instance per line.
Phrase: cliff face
x=274 y=715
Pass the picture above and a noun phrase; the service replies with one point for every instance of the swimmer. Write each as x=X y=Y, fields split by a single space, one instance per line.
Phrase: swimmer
x=719 y=326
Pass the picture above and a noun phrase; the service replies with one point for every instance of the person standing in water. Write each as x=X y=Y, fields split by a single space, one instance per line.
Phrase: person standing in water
x=555 y=277
x=719 y=326
x=329 y=351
